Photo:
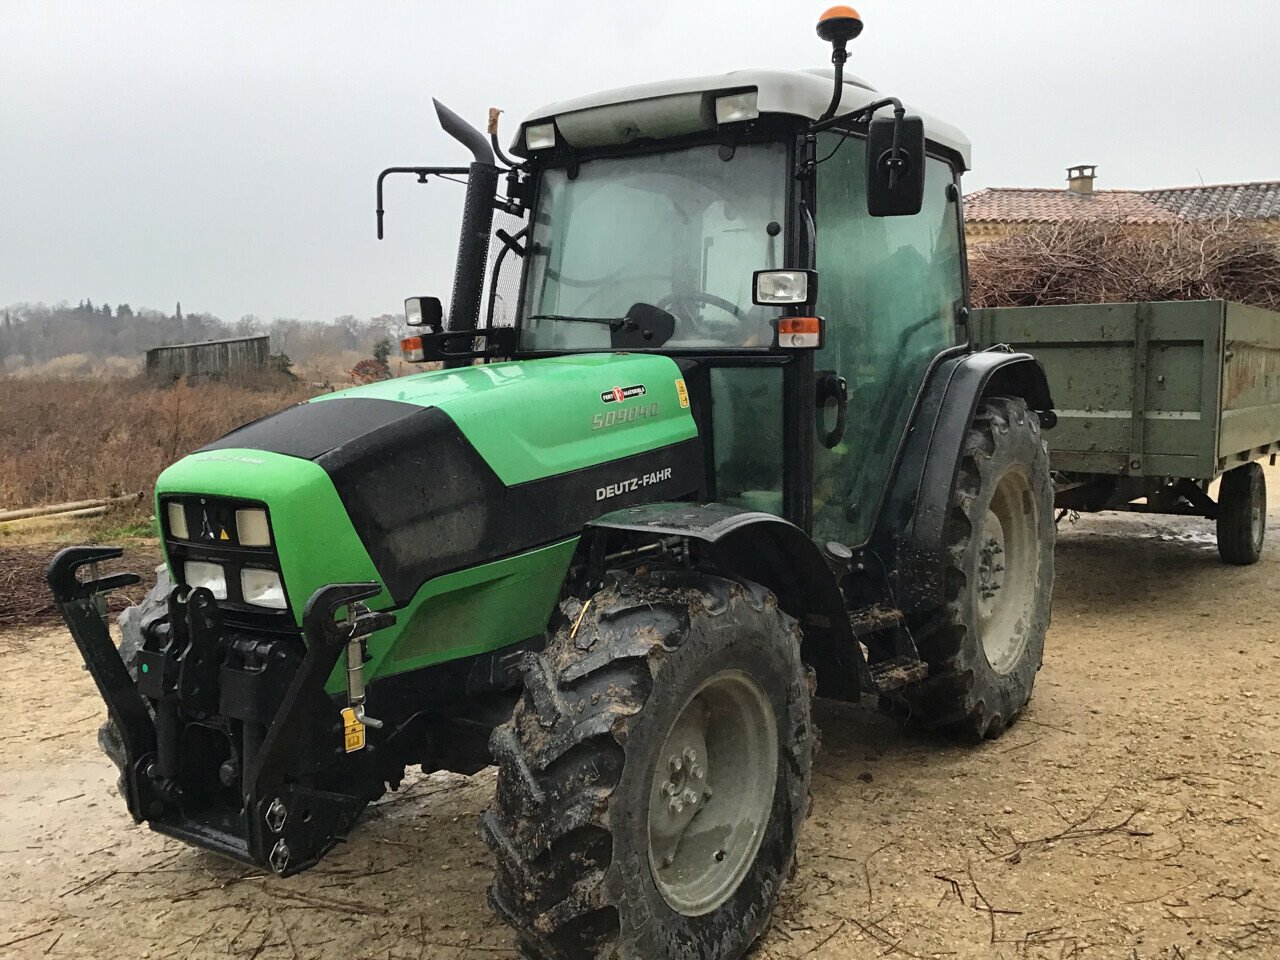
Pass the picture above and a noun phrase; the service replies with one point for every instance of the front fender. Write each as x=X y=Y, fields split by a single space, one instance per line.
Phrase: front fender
x=775 y=554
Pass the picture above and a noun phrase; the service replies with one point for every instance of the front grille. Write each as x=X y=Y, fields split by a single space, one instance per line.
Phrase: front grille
x=212 y=537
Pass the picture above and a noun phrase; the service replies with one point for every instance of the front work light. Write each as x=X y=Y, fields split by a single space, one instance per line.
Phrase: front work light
x=211 y=576
x=540 y=136
x=262 y=588
x=800 y=333
x=252 y=529
x=177 y=515
x=424 y=312
x=737 y=106
x=783 y=287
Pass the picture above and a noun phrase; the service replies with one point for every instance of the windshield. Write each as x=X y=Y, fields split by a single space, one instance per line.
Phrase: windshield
x=682 y=231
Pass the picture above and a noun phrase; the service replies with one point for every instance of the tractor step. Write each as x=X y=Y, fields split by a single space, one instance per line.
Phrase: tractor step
x=871 y=620
x=898 y=672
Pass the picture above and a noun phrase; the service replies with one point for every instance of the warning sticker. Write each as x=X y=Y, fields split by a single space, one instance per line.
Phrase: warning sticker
x=352 y=731
x=618 y=394
x=682 y=392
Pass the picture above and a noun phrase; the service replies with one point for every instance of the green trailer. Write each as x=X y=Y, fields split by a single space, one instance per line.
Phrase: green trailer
x=1155 y=401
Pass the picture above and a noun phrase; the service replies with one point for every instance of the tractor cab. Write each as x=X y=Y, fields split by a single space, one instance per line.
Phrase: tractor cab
x=753 y=226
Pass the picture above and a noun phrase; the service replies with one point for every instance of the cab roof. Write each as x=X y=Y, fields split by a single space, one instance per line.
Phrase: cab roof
x=671 y=108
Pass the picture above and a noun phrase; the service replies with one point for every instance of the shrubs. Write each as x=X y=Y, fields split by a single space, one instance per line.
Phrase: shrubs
x=1112 y=262
x=74 y=439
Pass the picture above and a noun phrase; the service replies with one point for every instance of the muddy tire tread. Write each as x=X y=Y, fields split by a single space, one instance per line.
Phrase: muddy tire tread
x=561 y=755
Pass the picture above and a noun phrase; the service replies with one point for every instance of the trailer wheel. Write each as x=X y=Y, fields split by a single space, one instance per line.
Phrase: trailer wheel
x=654 y=776
x=985 y=645
x=1242 y=514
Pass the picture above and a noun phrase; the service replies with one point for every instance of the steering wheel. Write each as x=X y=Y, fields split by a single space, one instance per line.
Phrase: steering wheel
x=694 y=298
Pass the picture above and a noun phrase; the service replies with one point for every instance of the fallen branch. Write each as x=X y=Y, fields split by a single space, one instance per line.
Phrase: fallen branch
x=77 y=505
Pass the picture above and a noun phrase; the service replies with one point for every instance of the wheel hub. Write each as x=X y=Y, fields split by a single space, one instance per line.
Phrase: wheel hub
x=991 y=567
x=1007 y=571
x=712 y=793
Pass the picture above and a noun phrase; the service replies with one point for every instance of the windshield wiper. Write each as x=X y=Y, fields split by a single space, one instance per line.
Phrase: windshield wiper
x=613 y=323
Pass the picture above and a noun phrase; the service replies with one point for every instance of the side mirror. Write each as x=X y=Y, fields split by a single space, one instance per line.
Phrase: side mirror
x=644 y=326
x=424 y=312
x=895 y=175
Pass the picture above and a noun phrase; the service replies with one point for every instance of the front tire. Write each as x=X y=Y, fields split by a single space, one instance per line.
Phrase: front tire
x=654 y=776
x=1242 y=514
x=986 y=644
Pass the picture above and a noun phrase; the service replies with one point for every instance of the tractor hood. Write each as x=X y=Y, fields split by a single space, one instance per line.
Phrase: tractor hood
x=534 y=418
x=447 y=469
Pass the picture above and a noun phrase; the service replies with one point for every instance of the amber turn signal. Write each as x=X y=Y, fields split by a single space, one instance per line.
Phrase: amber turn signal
x=411 y=349
x=800 y=333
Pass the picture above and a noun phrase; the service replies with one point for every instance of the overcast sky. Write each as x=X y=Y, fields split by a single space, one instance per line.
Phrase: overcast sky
x=223 y=153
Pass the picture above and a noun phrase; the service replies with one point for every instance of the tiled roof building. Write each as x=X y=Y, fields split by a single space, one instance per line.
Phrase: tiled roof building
x=998 y=211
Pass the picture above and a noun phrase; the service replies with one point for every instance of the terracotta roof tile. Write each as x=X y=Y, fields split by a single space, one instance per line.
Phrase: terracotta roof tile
x=1255 y=201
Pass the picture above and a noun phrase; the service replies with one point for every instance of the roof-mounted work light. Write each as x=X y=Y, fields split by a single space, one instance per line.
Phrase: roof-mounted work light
x=735 y=107
x=540 y=136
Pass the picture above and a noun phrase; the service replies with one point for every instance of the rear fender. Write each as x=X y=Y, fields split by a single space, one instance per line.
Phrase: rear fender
x=777 y=555
x=909 y=532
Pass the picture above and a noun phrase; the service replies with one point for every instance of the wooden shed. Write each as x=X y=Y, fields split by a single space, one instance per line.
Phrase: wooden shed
x=213 y=358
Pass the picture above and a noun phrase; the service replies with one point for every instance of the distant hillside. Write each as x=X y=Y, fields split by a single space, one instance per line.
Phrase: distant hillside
x=97 y=338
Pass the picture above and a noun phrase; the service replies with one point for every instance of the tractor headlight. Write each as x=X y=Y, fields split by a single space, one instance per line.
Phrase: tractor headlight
x=177 y=515
x=211 y=576
x=737 y=106
x=252 y=529
x=262 y=588
x=779 y=287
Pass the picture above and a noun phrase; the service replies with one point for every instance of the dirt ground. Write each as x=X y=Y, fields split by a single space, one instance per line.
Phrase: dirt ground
x=1134 y=812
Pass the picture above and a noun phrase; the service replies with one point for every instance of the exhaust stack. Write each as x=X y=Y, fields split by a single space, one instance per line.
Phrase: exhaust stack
x=477 y=221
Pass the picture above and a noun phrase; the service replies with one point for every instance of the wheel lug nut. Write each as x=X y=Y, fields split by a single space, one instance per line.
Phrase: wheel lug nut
x=677 y=806
x=690 y=754
x=690 y=798
x=697 y=772
x=675 y=764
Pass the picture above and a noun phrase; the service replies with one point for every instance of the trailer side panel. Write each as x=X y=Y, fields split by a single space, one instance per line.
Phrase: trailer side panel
x=1137 y=387
x=1250 y=385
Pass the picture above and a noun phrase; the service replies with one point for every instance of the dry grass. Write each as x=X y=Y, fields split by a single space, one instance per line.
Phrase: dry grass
x=78 y=439
x=1112 y=263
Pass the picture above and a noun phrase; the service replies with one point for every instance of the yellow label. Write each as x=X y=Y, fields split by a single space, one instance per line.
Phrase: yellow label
x=224 y=536
x=682 y=392
x=352 y=731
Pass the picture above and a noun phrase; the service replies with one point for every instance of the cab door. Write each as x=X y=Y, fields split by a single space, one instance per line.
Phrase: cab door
x=890 y=290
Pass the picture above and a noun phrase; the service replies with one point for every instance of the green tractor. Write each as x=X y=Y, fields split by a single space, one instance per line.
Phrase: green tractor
x=707 y=438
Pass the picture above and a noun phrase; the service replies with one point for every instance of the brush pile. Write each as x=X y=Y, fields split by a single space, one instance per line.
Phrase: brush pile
x=1113 y=262
x=25 y=600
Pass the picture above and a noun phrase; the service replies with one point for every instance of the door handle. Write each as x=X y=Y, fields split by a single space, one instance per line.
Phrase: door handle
x=832 y=386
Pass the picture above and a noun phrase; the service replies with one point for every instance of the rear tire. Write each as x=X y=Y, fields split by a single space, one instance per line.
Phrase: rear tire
x=985 y=645
x=654 y=776
x=1242 y=514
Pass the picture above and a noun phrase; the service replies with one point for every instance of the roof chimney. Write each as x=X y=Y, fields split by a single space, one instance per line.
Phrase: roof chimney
x=1080 y=179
